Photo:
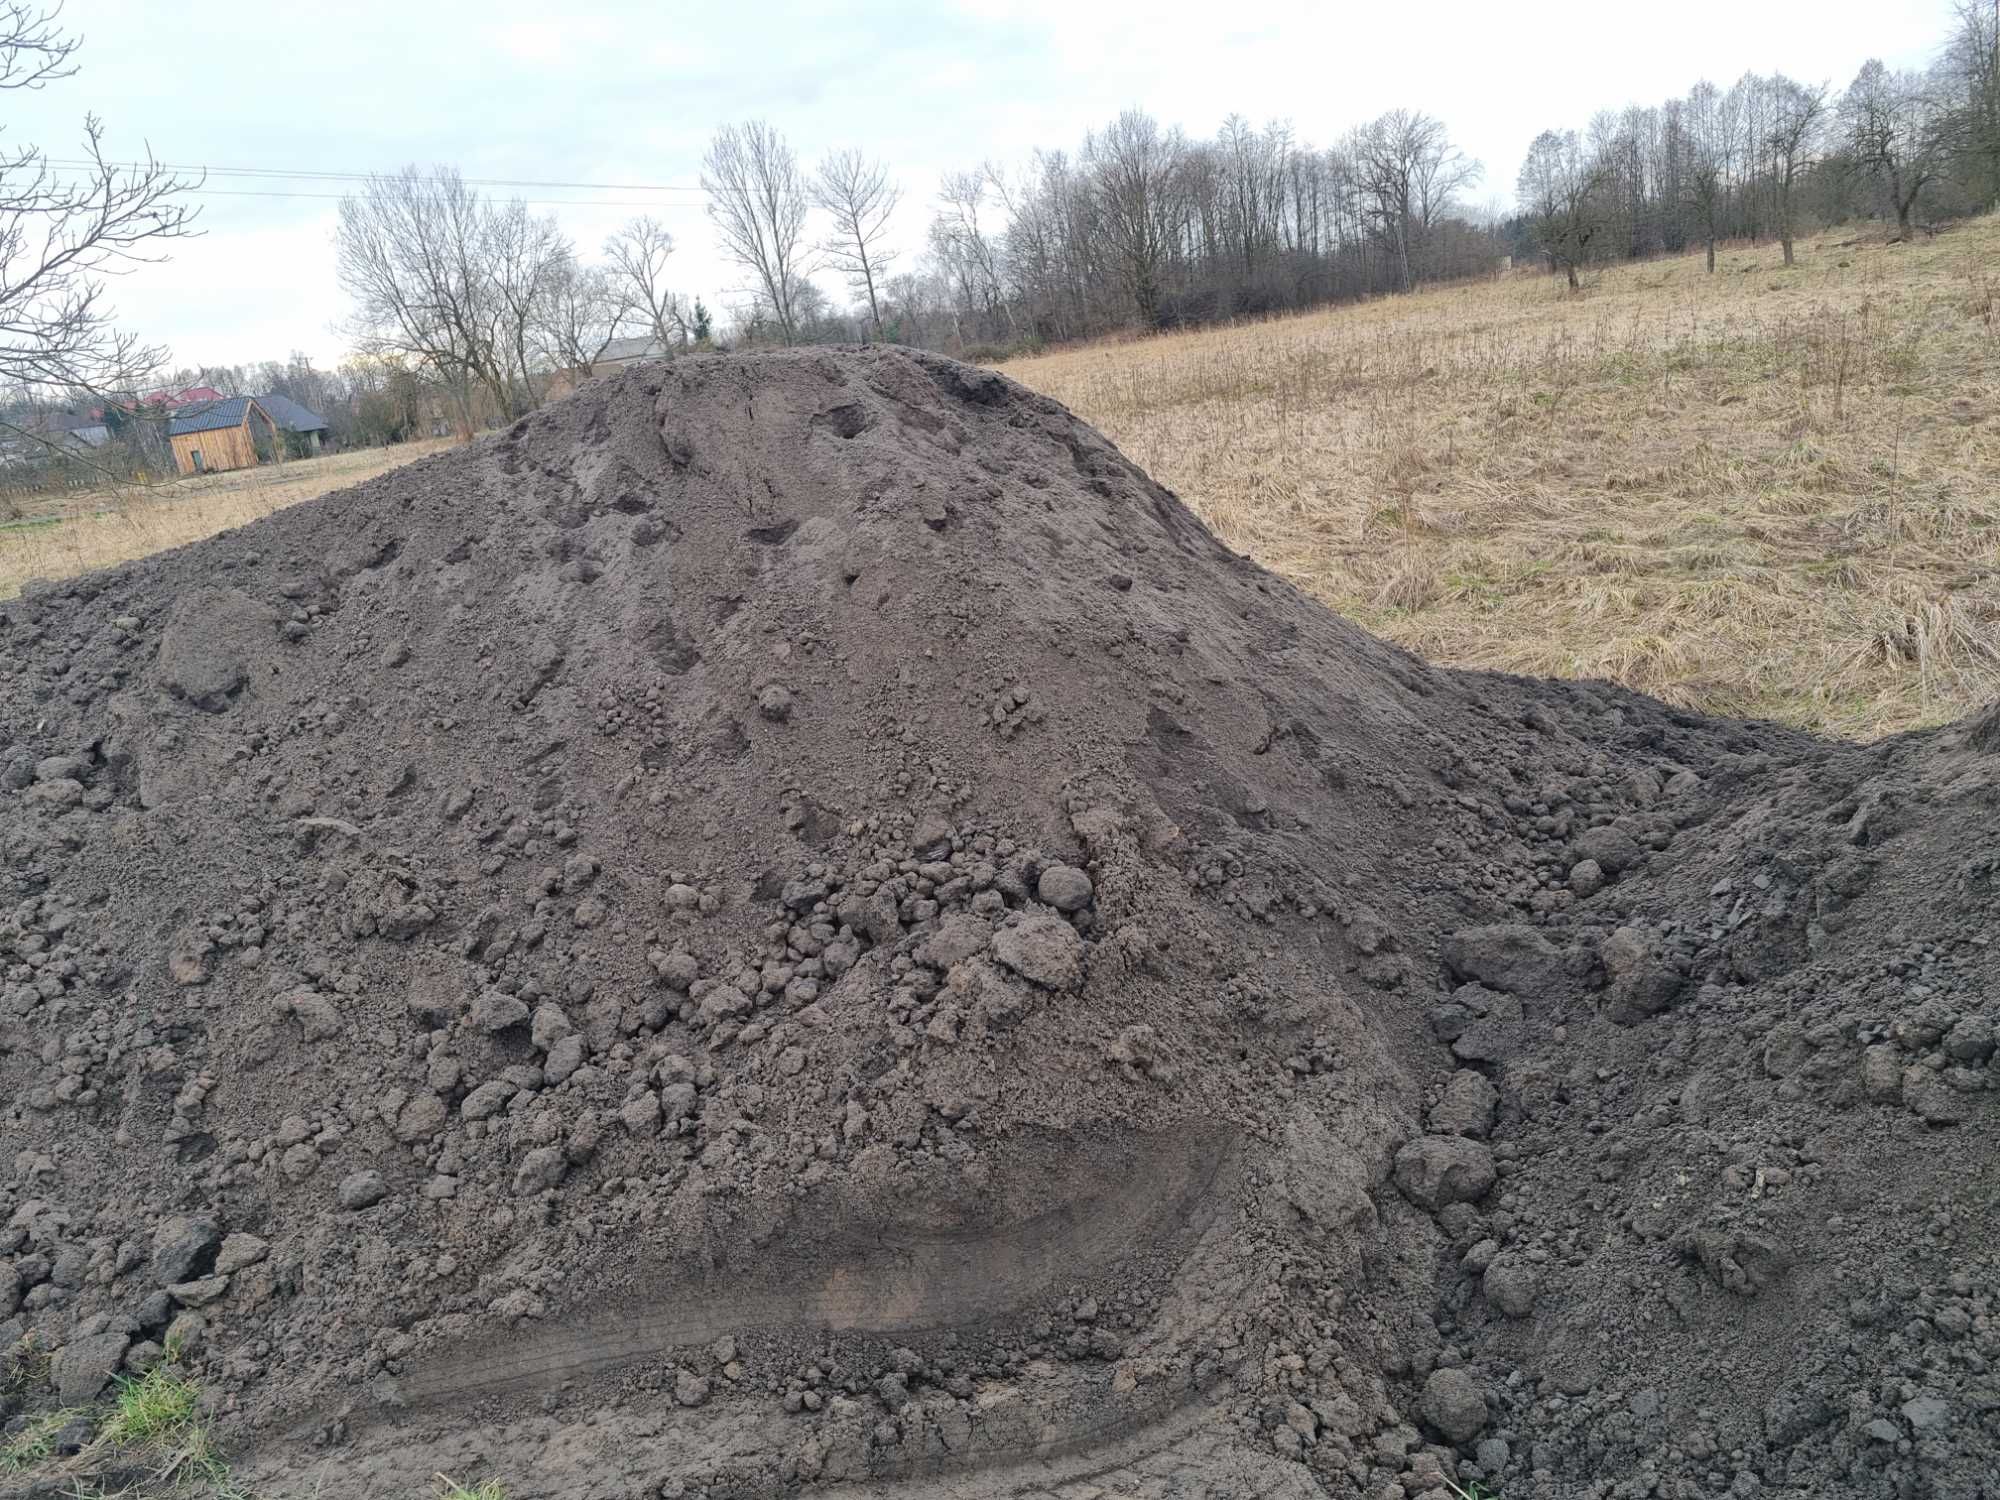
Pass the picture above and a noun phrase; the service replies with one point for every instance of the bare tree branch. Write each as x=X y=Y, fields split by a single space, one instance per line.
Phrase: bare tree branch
x=581 y=314
x=61 y=234
x=32 y=50
x=859 y=196
x=457 y=285
x=638 y=254
x=758 y=201
x=1561 y=187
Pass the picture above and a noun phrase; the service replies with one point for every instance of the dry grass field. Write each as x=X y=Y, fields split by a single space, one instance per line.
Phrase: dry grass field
x=1770 y=492
x=58 y=535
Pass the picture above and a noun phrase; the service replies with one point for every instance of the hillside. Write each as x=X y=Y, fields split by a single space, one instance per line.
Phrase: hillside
x=1768 y=492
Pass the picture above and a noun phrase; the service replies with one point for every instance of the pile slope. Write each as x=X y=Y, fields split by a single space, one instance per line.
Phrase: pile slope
x=797 y=923
x=73 y=531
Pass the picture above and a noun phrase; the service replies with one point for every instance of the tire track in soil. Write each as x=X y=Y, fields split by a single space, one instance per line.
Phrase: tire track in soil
x=891 y=1283
x=1186 y=1440
x=1184 y=1436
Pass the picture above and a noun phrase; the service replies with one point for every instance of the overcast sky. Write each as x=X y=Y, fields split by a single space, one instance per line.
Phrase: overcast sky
x=628 y=94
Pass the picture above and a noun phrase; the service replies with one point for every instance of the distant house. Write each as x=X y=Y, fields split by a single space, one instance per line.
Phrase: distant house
x=232 y=433
x=86 y=429
x=51 y=437
x=305 y=430
x=618 y=355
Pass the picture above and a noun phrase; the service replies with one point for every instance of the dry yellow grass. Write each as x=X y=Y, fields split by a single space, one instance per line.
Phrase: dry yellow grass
x=57 y=536
x=1772 y=492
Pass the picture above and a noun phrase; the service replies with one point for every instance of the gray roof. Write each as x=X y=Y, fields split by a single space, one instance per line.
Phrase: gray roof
x=212 y=417
x=291 y=416
x=645 y=346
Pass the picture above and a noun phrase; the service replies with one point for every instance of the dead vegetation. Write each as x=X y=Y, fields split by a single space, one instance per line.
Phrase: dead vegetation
x=69 y=532
x=1767 y=492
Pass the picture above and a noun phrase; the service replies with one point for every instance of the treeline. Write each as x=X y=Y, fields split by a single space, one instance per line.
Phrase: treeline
x=1142 y=225
x=1145 y=226
x=491 y=303
x=1770 y=155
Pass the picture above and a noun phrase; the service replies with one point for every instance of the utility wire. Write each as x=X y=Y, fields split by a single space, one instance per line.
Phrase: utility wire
x=532 y=202
x=329 y=176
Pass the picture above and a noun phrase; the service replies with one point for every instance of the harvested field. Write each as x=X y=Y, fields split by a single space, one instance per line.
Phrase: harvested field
x=60 y=535
x=1767 y=492
x=795 y=924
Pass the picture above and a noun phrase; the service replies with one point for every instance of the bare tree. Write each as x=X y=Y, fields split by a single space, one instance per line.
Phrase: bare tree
x=758 y=199
x=411 y=255
x=1561 y=188
x=962 y=241
x=1899 y=130
x=1135 y=170
x=1798 y=122
x=917 y=305
x=1971 y=66
x=1411 y=170
x=859 y=196
x=62 y=233
x=581 y=314
x=1712 y=139
x=527 y=261
x=460 y=286
x=638 y=256
x=1039 y=249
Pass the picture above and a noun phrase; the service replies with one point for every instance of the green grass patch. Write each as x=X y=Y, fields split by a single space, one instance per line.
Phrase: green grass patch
x=157 y=1408
x=196 y=1459
x=35 y=1443
x=486 y=1489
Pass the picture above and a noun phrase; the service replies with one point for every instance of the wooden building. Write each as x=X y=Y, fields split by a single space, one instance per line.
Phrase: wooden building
x=234 y=433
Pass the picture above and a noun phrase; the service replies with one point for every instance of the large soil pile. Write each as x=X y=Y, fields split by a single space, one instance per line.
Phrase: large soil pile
x=795 y=923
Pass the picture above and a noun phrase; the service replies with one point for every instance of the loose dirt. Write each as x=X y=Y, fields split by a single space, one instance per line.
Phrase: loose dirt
x=794 y=923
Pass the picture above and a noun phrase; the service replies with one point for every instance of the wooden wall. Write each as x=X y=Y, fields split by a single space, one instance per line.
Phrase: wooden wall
x=226 y=447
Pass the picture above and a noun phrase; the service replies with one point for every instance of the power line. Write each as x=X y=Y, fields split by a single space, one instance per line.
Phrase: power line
x=72 y=166
x=209 y=192
x=314 y=174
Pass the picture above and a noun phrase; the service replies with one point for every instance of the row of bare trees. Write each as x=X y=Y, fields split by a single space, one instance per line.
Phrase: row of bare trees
x=1768 y=153
x=491 y=300
x=1141 y=224
x=760 y=202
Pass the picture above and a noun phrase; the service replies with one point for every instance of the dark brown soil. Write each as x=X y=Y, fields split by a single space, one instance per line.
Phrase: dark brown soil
x=794 y=923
